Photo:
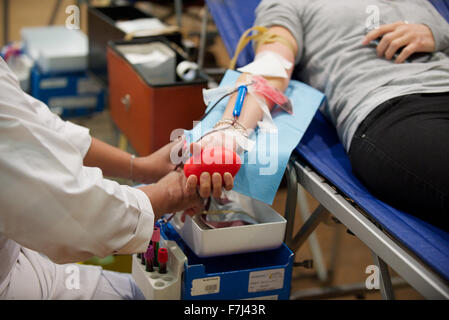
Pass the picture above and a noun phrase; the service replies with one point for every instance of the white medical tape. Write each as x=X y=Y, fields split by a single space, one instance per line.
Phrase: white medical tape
x=268 y=64
x=187 y=70
x=285 y=63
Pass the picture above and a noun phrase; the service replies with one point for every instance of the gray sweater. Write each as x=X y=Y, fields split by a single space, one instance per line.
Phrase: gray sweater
x=332 y=58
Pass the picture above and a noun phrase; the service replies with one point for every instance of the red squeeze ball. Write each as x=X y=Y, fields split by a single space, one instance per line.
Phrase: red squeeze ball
x=215 y=159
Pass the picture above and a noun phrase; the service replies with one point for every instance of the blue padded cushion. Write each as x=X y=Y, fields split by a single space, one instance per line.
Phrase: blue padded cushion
x=321 y=147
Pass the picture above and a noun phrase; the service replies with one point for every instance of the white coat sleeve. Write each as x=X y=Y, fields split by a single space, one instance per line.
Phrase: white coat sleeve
x=50 y=202
x=77 y=135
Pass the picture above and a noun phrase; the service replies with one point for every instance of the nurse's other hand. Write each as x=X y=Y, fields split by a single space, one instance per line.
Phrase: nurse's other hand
x=151 y=168
x=411 y=37
x=174 y=193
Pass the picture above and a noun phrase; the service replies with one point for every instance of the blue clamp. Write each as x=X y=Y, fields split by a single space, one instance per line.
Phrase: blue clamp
x=242 y=90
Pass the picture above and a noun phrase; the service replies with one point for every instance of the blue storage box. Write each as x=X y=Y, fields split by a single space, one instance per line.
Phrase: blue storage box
x=69 y=94
x=259 y=275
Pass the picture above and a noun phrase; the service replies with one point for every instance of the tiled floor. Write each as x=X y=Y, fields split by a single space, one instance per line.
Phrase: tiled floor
x=353 y=256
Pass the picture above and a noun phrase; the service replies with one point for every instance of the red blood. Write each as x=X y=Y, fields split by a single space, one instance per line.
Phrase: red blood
x=215 y=159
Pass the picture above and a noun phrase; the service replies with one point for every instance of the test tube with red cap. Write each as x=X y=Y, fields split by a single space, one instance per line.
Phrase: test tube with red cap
x=163 y=258
x=155 y=239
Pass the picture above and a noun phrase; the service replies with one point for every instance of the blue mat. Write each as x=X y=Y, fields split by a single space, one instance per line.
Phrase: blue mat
x=321 y=147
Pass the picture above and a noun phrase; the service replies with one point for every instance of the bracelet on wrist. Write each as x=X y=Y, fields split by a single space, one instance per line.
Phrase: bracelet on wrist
x=131 y=166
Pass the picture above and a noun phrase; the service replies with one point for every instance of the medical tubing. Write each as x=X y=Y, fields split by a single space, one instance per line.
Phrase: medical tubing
x=218 y=101
x=222 y=97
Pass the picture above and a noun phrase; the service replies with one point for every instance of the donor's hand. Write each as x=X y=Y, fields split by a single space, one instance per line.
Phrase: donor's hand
x=411 y=37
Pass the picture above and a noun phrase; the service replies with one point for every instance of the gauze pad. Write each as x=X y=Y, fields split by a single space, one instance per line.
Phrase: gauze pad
x=268 y=64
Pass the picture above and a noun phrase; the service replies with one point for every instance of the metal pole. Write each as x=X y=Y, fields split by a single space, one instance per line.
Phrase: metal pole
x=178 y=12
x=334 y=253
x=320 y=214
x=290 y=202
x=314 y=245
x=386 y=288
x=203 y=37
x=5 y=21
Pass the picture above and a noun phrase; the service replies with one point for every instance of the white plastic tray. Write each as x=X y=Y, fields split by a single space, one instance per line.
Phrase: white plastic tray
x=267 y=234
x=56 y=48
x=156 y=286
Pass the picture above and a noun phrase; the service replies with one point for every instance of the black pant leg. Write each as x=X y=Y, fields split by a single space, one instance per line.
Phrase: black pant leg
x=401 y=154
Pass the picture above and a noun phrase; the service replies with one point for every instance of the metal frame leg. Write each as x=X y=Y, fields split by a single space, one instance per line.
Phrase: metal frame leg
x=290 y=203
x=295 y=195
x=336 y=243
x=319 y=215
x=386 y=287
x=314 y=245
x=310 y=221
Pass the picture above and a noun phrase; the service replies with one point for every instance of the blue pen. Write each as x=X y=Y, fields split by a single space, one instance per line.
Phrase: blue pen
x=239 y=102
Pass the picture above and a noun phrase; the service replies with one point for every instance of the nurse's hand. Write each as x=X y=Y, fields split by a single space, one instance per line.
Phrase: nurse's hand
x=174 y=193
x=152 y=168
x=411 y=37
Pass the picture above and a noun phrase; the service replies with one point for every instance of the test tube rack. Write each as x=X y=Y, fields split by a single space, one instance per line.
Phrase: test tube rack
x=157 y=286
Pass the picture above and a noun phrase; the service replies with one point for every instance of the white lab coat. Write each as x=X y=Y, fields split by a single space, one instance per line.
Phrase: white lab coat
x=50 y=203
